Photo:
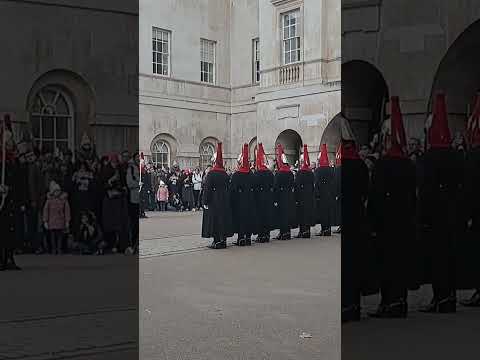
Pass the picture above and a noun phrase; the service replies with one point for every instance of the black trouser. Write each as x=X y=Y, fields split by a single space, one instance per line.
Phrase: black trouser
x=162 y=206
x=392 y=293
x=304 y=229
x=56 y=239
x=133 y=211
x=196 y=196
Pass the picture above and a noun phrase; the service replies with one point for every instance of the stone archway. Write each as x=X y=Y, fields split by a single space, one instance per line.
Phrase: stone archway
x=458 y=76
x=332 y=136
x=292 y=144
x=364 y=95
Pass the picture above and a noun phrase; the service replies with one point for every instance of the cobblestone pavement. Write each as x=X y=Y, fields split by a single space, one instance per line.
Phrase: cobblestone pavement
x=238 y=303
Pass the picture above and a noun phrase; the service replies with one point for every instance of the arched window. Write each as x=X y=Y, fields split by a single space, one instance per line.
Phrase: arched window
x=161 y=154
x=52 y=120
x=206 y=153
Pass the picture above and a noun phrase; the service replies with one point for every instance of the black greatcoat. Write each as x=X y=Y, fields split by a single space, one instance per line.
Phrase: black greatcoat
x=242 y=203
x=263 y=182
x=325 y=196
x=440 y=195
x=285 y=213
x=337 y=196
x=355 y=181
x=304 y=195
x=217 y=219
x=468 y=264
x=393 y=195
x=16 y=197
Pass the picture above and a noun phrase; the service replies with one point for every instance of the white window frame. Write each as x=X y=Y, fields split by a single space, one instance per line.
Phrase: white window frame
x=256 y=61
x=204 y=42
x=156 y=145
x=156 y=53
x=48 y=111
x=289 y=39
x=205 y=155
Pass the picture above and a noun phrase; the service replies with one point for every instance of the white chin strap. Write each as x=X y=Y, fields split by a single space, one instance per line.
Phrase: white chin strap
x=284 y=159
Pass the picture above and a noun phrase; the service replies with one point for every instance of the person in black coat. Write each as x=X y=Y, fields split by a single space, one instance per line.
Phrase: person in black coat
x=263 y=181
x=324 y=192
x=337 y=191
x=217 y=216
x=443 y=179
x=284 y=196
x=13 y=198
x=355 y=184
x=394 y=198
x=242 y=200
x=304 y=195
x=472 y=206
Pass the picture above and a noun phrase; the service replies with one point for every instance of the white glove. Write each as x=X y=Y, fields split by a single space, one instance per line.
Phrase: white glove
x=205 y=207
x=275 y=204
x=45 y=224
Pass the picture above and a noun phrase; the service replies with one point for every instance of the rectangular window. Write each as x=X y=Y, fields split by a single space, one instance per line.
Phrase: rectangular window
x=207 y=61
x=161 y=51
x=256 y=61
x=291 y=37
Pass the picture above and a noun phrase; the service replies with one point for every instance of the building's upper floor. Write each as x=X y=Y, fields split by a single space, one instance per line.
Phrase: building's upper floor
x=241 y=43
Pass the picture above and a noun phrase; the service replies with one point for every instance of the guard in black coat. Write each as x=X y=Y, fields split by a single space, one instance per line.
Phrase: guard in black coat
x=324 y=192
x=472 y=192
x=284 y=197
x=217 y=215
x=263 y=182
x=337 y=180
x=443 y=179
x=355 y=182
x=304 y=195
x=242 y=200
x=393 y=195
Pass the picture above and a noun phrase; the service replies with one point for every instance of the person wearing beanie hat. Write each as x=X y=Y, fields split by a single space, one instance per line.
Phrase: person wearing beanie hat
x=242 y=200
x=471 y=277
x=304 y=195
x=393 y=197
x=284 y=197
x=217 y=215
x=443 y=170
x=354 y=187
x=263 y=181
x=324 y=192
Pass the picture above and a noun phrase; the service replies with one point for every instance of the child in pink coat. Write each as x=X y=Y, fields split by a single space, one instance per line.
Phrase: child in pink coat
x=56 y=216
x=162 y=196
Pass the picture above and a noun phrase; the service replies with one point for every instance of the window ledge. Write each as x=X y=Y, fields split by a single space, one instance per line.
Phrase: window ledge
x=279 y=2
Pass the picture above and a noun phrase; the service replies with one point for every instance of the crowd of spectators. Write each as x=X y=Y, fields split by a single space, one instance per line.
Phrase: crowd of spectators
x=78 y=202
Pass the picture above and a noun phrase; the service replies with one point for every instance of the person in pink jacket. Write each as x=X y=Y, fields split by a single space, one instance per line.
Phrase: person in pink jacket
x=162 y=196
x=56 y=216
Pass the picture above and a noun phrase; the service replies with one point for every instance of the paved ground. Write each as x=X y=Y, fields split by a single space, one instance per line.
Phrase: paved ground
x=70 y=307
x=238 y=303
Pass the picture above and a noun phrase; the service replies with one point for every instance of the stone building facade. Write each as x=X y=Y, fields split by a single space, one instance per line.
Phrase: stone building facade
x=236 y=71
x=412 y=49
x=70 y=68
